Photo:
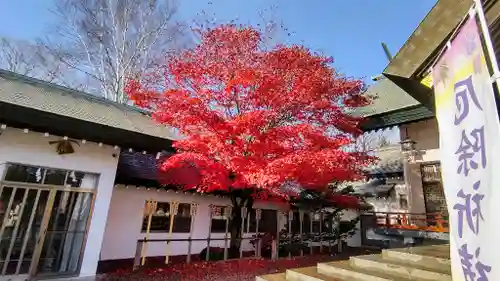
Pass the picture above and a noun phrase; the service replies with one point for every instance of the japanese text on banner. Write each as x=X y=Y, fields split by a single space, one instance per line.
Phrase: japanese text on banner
x=469 y=130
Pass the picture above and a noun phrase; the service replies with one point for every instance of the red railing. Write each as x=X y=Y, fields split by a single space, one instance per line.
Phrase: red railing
x=434 y=222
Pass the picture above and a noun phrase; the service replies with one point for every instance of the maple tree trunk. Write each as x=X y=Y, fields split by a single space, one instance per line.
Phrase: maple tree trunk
x=239 y=199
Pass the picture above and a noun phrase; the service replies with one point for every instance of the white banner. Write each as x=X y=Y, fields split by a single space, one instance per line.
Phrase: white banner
x=469 y=132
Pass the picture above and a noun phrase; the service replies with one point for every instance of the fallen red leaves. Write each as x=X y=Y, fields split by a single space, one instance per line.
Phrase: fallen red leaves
x=233 y=270
x=241 y=270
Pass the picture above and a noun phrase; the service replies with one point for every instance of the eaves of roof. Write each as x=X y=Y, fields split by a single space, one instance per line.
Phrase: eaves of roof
x=38 y=95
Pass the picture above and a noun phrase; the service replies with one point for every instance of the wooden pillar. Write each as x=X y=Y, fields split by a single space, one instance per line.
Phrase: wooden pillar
x=193 y=211
x=227 y=215
x=138 y=255
x=259 y=239
x=276 y=242
x=174 y=207
x=311 y=235
x=150 y=207
x=301 y=231
x=321 y=231
x=290 y=238
x=213 y=211
x=332 y=234
x=339 y=239
x=243 y=216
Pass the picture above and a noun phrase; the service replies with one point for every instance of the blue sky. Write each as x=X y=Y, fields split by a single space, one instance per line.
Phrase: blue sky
x=351 y=30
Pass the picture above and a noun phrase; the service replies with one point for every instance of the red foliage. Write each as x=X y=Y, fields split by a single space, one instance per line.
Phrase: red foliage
x=254 y=117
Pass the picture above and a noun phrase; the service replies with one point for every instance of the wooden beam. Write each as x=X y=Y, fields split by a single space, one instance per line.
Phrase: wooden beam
x=429 y=35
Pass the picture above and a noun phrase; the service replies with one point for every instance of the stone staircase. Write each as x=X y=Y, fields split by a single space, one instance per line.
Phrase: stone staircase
x=425 y=263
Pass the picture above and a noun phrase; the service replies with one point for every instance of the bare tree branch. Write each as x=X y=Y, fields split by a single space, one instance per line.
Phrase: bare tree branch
x=108 y=41
x=30 y=59
x=371 y=141
x=270 y=25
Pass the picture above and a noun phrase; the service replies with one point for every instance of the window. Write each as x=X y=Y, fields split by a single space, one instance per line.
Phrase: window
x=182 y=221
x=317 y=223
x=41 y=175
x=431 y=172
x=295 y=222
x=160 y=219
x=218 y=224
x=251 y=221
x=306 y=223
x=403 y=201
x=26 y=174
x=268 y=221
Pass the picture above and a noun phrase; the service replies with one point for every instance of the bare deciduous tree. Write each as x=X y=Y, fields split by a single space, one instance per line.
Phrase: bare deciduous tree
x=273 y=29
x=371 y=141
x=108 y=41
x=27 y=58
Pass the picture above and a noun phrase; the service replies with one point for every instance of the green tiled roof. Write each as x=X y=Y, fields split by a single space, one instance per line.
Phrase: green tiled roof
x=392 y=106
x=398 y=117
x=388 y=97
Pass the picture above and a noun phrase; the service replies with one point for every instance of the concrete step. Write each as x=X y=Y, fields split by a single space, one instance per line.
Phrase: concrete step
x=271 y=277
x=402 y=268
x=425 y=263
x=436 y=258
x=345 y=271
x=308 y=274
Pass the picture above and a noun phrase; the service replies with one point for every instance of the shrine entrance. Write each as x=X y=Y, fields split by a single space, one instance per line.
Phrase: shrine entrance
x=435 y=199
x=43 y=229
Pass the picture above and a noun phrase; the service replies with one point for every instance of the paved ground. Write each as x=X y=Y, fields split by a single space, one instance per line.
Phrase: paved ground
x=235 y=270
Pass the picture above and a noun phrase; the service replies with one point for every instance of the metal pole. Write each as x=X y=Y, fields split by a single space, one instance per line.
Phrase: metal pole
x=487 y=39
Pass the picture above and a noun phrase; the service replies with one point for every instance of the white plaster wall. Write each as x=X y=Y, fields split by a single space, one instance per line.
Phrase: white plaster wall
x=125 y=217
x=426 y=135
x=390 y=204
x=385 y=205
x=33 y=149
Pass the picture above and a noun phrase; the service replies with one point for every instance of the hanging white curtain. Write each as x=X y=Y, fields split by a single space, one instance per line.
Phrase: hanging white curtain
x=76 y=231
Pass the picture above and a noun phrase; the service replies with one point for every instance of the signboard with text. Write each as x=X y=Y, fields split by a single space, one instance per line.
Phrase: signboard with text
x=470 y=154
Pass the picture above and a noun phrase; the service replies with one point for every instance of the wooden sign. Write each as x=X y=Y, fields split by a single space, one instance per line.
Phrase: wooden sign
x=151 y=206
x=193 y=210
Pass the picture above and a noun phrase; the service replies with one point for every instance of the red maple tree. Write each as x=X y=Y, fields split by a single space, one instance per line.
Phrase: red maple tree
x=254 y=119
